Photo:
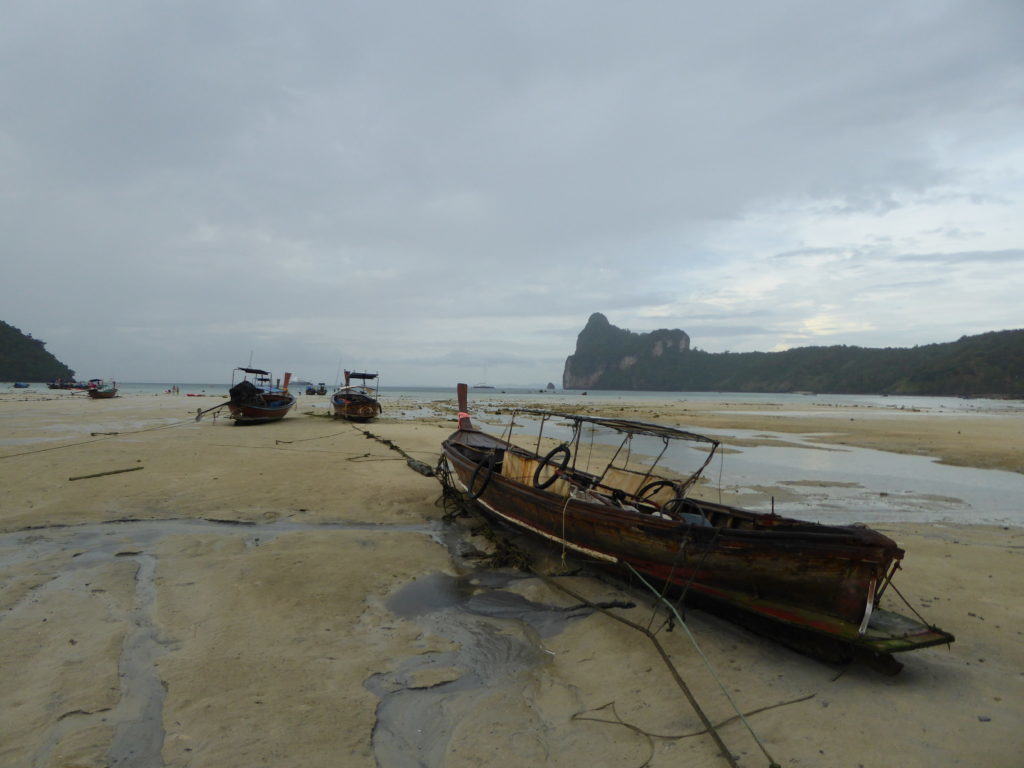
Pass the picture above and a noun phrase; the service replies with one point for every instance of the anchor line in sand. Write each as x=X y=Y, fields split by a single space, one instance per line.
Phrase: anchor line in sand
x=106 y=436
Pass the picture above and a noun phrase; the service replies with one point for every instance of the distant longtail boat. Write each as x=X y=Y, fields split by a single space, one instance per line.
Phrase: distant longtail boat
x=258 y=400
x=356 y=402
x=98 y=390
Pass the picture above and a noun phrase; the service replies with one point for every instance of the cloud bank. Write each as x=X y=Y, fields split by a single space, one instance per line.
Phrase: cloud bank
x=437 y=189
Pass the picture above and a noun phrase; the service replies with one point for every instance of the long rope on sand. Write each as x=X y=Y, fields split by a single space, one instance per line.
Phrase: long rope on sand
x=98 y=439
x=707 y=662
x=708 y=725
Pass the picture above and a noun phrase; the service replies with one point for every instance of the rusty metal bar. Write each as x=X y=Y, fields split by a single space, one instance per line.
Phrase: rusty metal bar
x=625 y=440
x=650 y=469
x=511 y=424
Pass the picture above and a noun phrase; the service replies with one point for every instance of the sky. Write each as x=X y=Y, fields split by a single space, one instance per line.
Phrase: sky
x=446 y=191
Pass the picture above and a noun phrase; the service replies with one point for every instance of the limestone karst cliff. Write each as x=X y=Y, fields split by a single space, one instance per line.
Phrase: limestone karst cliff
x=608 y=357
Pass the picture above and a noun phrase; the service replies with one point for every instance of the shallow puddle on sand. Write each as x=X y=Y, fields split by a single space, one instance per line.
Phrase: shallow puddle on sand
x=845 y=484
x=480 y=593
x=498 y=639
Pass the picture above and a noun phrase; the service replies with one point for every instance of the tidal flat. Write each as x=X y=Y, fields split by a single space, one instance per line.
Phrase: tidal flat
x=290 y=595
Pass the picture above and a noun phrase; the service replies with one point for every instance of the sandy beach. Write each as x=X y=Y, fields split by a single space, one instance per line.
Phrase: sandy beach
x=290 y=595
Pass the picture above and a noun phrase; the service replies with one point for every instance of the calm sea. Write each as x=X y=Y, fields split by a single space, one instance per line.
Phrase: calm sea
x=521 y=394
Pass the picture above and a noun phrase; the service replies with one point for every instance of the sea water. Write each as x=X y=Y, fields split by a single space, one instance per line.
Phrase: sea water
x=514 y=395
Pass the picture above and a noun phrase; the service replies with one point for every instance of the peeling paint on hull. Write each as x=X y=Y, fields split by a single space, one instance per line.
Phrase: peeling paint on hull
x=820 y=579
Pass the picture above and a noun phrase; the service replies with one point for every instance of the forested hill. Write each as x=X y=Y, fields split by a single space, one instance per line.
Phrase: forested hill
x=23 y=358
x=607 y=357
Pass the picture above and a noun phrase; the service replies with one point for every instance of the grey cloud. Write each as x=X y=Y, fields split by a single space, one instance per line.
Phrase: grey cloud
x=954 y=233
x=468 y=358
x=326 y=177
x=724 y=331
x=801 y=252
x=965 y=257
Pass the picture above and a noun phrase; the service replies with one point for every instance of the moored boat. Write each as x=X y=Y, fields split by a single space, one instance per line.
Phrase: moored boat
x=356 y=402
x=20 y=385
x=816 y=587
x=99 y=390
x=61 y=384
x=257 y=399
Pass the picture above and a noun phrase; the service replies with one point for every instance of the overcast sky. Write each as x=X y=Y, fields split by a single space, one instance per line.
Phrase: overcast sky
x=446 y=191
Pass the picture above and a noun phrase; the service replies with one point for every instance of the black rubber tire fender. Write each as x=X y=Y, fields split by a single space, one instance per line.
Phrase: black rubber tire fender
x=563 y=448
x=488 y=464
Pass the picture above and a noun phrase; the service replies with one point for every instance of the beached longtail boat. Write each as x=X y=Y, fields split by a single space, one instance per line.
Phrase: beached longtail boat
x=100 y=391
x=356 y=402
x=815 y=587
x=257 y=400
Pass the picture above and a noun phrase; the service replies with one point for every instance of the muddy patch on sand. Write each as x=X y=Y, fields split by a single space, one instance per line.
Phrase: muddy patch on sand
x=498 y=639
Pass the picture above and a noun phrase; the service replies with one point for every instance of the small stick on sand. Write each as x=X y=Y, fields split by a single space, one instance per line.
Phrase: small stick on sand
x=101 y=474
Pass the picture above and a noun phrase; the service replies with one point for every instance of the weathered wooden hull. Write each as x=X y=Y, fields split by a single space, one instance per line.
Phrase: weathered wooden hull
x=817 y=578
x=102 y=394
x=275 y=409
x=355 y=407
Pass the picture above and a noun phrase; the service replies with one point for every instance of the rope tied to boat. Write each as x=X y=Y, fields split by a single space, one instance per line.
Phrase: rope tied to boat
x=450 y=500
x=911 y=607
x=694 y=571
x=708 y=725
x=565 y=506
x=711 y=669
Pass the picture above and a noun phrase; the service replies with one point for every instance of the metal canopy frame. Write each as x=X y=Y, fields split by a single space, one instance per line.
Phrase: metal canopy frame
x=364 y=376
x=629 y=429
x=625 y=425
x=261 y=378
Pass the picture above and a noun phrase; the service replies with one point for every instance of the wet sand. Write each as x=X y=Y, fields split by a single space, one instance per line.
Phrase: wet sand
x=288 y=594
